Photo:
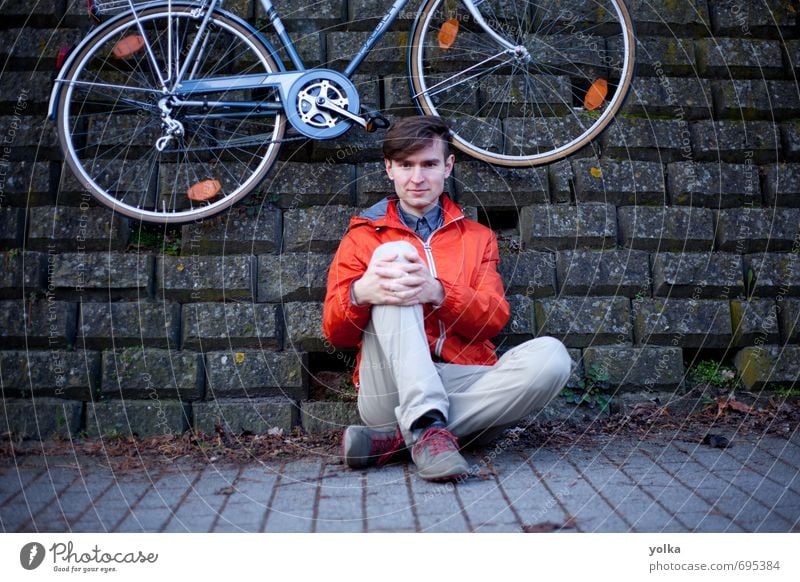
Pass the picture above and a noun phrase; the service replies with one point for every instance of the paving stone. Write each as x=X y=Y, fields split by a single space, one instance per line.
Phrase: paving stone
x=630 y=369
x=775 y=274
x=584 y=321
x=239 y=231
x=689 y=323
x=739 y=58
x=315 y=228
x=293 y=276
x=110 y=275
x=754 y=319
x=151 y=373
x=662 y=228
x=760 y=19
x=42 y=418
x=552 y=227
x=604 y=272
x=205 y=278
x=656 y=140
x=697 y=275
x=789 y=317
x=20 y=269
x=295 y=185
x=713 y=185
x=251 y=373
x=143 y=418
x=782 y=185
x=214 y=326
x=77 y=229
x=755 y=99
x=677 y=97
x=757 y=229
x=38 y=324
x=318 y=417
x=532 y=273
x=482 y=185
x=766 y=367
x=144 y=323
x=734 y=141
x=304 y=326
x=60 y=373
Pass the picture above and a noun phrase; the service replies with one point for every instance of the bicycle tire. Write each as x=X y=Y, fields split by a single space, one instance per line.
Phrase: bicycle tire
x=514 y=112
x=109 y=119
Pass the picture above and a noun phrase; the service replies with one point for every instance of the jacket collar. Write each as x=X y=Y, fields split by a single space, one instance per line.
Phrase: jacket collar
x=385 y=213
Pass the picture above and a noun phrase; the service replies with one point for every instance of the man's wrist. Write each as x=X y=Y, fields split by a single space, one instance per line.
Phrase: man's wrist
x=353 y=296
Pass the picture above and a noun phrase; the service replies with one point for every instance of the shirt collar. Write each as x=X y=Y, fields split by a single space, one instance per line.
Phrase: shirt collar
x=433 y=217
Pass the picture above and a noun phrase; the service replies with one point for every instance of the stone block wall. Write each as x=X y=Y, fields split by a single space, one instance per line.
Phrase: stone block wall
x=677 y=231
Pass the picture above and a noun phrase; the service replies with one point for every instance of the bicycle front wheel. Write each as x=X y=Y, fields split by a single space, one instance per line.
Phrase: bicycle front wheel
x=544 y=82
x=142 y=150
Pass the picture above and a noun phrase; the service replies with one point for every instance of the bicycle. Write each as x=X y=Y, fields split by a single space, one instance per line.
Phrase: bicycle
x=172 y=111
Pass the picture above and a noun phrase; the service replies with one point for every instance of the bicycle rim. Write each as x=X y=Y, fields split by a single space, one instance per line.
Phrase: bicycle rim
x=110 y=120
x=550 y=98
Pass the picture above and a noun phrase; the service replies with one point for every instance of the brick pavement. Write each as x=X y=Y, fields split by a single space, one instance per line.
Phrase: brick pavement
x=611 y=485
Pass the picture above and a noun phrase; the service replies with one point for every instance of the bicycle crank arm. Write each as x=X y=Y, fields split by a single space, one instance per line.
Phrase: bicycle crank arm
x=328 y=104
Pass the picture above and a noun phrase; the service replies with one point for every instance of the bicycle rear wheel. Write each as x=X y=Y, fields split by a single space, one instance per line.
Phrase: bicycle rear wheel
x=562 y=86
x=111 y=117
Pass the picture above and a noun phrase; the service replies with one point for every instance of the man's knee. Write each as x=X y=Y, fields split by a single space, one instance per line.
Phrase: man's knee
x=397 y=247
x=550 y=361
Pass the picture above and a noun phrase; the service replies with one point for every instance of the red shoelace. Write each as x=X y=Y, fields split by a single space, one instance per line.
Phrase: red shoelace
x=440 y=440
x=386 y=447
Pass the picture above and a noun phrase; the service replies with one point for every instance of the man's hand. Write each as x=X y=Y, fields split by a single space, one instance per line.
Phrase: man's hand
x=387 y=282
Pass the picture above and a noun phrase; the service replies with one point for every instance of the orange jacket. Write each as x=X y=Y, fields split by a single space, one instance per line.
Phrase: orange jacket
x=462 y=254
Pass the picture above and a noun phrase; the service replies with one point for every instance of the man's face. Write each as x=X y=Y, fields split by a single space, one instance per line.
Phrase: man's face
x=419 y=177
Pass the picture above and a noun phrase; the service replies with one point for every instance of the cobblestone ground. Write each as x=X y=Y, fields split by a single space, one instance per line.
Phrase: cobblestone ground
x=613 y=485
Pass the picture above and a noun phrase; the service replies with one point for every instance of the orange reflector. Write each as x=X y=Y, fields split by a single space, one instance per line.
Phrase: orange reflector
x=596 y=95
x=128 y=46
x=447 y=34
x=204 y=190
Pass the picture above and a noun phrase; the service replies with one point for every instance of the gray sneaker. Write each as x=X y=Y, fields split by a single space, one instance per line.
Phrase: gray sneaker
x=363 y=446
x=437 y=458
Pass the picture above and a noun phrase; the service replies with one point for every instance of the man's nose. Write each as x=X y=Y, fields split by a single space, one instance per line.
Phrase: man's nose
x=417 y=174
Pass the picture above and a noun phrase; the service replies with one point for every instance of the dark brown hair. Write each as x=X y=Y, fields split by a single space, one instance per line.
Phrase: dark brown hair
x=412 y=134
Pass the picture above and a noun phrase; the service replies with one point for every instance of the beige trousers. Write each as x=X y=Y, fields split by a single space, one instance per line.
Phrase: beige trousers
x=399 y=381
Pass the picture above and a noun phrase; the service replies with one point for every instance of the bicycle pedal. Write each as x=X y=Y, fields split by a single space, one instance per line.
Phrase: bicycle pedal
x=128 y=46
x=375 y=121
x=204 y=190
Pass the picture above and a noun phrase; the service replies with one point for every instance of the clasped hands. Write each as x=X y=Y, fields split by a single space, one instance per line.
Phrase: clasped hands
x=387 y=282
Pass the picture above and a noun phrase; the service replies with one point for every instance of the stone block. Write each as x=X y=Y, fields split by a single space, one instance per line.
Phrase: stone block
x=40 y=323
x=129 y=324
x=31 y=48
x=315 y=228
x=669 y=16
x=318 y=417
x=111 y=419
x=747 y=230
x=252 y=373
x=531 y=273
x=150 y=373
x=754 y=321
x=562 y=182
x=755 y=99
x=205 y=278
x=72 y=228
x=584 y=321
x=688 y=323
x=33 y=90
x=216 y=326
x=662 y=228
x=388 y=56
x=739 y=58
x=734 y=141
x=373 y=185
x=397 y=95
x=24 y=134
x=790 y=140
x=789 y=318
x=60 y=373
x=309 y=44
x=769 y=367
x=682 y=98
x=25 y=183
x=767 y=18
x=632 y=369
x=774 y=274
x=656 y=140
x=698 y=275
x=354 y=146
x=520 y=133
x=553 y=227
x=305 y=15
x=618 y=182
x=254 y=416
x=47 y=12
x=782 y=185
x=239 y=231
x=41 y=418
x=609 y=272
x=295 y=185
x=521 y=325
x=304 y=326
x=483 y=185
x=114 y=275
x=659 y=56
x=20 y=269
x=713 y=185
x=365 y=14
x=293 y=277
x=12 y=226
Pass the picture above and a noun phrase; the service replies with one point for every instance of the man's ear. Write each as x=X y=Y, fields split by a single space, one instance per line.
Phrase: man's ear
x=388 y=165
x=448 y=165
